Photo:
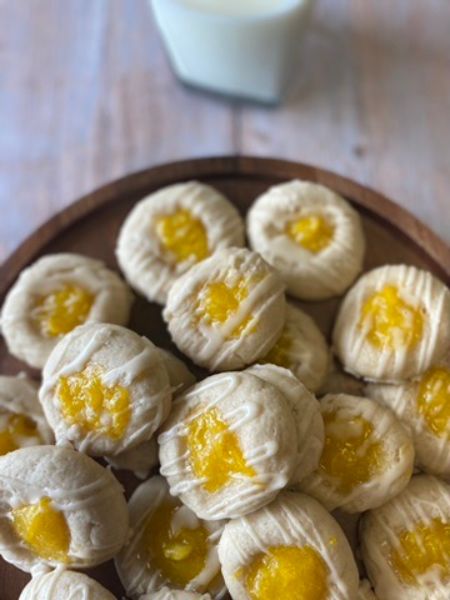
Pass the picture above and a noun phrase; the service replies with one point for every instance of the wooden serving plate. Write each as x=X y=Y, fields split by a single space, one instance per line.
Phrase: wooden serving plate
x=90 y=226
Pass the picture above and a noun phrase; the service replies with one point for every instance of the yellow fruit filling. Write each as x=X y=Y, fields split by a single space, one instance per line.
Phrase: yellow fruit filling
x=288 y=573
x=312 y=232
x=390 y=321
x=215 y=453
x=425 y=548
x=219 y=301
x=433 y=400
x=95 y=407
x=183 y=235
x=179 y=554
x=44 y=530
x=14 y=429
x=61 y=311
x=280 y=353
x=349 y=456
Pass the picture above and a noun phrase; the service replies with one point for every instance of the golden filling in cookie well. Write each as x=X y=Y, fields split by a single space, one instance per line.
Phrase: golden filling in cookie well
x=95 y=407
x=14 y=429
x=312 y=232
x=61 y=311
x=425 y=548
x=280 y=353
x=286 y=572
x=44 y=530
x=218 y=302
x=350 y=456
x=215 y=453
x=178 y=551
x=390 y=321
x=183 y=235
x=433 y=400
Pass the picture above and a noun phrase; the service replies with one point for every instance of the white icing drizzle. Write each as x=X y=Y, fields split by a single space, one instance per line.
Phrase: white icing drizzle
x=63 y=583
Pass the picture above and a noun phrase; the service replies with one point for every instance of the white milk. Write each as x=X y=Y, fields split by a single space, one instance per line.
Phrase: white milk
x=239 y=7
x=238 y=47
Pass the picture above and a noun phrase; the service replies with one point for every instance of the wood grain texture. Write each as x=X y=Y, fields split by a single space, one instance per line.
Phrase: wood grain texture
x=91 y=226
x=87 y=95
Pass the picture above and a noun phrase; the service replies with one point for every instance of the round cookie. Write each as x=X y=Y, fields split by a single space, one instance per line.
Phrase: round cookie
x=406 y=543
x=305 y=412
x=289 y=549
x=171 y=230
x=22 y=422
x=167 y=594
x=302 y=349
x=393 y=324
x=368 y=456
x=59 y=507
x=227 y=311
x=168 y=546
x=365 y=591
x=53 y=296
x=226 y=448
x=312 y=236
x=105 y=389
x=61 y=583
x=424 y=407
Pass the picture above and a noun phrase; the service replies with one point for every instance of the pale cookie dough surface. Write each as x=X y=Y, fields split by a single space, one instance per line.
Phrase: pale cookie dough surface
x=365 y=591
x=368 y=457
x=393 y=324
x=22 y=421
x=64 y=585
x=168 y=546
x=116 y=365
x=337 y=381
x=180 y=377
x=302 y=349
x=167 y=594
x=414 y=526
x=227 y=311
x=424 y=407
x=312 y=236
x=141 y=459
x=296 y=523
x=29 y=320
x=76 y=511
x=226 y=448
x=305 y=412
x=172 y=229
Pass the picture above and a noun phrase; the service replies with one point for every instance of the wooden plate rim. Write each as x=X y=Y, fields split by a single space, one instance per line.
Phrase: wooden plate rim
x=372 y=201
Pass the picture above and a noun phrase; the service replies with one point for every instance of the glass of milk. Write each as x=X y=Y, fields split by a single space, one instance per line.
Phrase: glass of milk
x=238 y=47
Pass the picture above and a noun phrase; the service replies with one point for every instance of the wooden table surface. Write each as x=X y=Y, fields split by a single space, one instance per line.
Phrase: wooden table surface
x=87 y=95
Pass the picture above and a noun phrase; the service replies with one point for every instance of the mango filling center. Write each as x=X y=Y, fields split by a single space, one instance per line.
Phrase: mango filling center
x=349 y=456
x=287 y=572
x=280 y=354
x=95 y=407
x=433 y=400
x=183 y=235
x=424 y=548
x=61 y=311
x=313 y=232
x=215 y=453
x=179 y=554
x=218 y=302
x=390 y=321
x=44 y=530
x=14 y=429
